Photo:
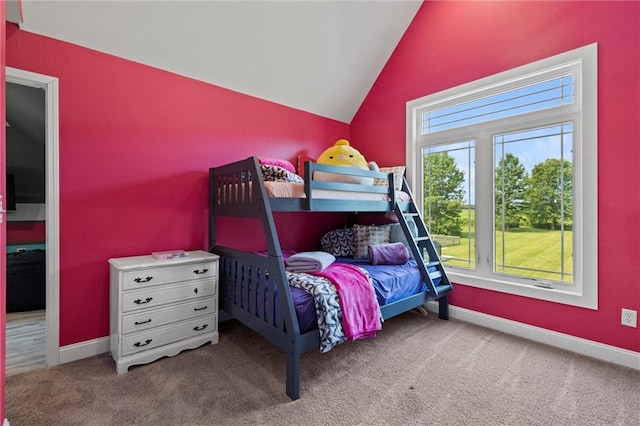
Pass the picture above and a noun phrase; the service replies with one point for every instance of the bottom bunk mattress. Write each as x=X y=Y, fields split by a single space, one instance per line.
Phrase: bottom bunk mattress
x=390 y=282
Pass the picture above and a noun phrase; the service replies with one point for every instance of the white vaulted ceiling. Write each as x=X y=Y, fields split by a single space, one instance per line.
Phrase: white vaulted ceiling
x=317 y=56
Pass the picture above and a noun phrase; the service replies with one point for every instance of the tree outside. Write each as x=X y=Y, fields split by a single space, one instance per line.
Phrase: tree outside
x=443 y=195
x=550 y=194
x=511 y=185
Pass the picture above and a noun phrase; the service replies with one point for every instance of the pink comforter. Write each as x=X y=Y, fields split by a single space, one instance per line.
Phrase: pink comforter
x=360 y=310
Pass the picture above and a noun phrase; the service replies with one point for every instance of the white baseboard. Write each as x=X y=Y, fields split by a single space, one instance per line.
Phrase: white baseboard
x=585 y=347
x=84 y=349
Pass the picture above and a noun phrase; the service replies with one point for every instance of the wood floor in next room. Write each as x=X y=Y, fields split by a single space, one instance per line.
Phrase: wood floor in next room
x=26 y=342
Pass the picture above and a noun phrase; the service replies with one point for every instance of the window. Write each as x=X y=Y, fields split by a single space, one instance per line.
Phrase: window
x=507 y=169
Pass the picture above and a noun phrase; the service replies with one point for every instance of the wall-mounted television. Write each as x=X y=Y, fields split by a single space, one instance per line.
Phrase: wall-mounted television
x=10 y=201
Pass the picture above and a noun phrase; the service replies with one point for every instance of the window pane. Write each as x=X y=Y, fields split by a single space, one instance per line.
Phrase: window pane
x=449 y=205
x=533 y=214
x=546 y=94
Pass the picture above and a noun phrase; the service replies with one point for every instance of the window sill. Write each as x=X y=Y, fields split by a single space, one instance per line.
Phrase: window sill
x=555 y=295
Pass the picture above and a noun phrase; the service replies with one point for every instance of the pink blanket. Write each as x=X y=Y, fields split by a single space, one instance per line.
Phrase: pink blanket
x=360 y=310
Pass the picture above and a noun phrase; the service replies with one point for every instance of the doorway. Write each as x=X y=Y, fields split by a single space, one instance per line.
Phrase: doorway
x=51 y=203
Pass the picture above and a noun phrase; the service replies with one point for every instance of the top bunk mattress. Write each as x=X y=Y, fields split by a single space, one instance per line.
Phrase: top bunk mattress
x=296 y=190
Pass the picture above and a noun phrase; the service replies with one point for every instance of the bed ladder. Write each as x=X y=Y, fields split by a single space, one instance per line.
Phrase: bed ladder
x=418 y=245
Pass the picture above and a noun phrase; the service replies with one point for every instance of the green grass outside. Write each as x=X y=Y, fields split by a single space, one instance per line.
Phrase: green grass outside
x=539 y=250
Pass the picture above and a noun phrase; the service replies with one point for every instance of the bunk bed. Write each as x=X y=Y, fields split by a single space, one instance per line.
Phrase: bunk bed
x=255 y=288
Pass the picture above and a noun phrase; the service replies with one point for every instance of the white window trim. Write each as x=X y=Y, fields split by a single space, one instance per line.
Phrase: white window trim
x=584 y=292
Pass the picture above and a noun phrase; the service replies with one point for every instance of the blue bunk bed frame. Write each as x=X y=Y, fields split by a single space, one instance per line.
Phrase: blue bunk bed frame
x=237 y=190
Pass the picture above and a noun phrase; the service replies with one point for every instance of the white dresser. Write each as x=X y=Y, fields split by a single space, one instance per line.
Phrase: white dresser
x=161 y=307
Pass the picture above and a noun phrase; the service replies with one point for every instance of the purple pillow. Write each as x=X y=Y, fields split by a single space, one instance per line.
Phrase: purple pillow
x=388 y=254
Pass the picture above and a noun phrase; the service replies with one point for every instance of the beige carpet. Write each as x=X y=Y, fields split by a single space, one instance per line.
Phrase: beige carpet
x=418 y=371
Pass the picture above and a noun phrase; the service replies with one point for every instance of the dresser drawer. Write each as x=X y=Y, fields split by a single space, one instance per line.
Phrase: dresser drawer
x=167 y=274
x=152 y=297
x=156 y=317
x=156 y=337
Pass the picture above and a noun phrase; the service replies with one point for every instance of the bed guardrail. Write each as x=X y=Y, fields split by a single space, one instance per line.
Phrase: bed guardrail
x=254 y=289
x=235 y=189
x=238 y=190
x=345 y=173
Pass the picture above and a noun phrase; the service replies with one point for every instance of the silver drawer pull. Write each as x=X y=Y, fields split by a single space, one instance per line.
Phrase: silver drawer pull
x=196 y=328
x=142 y=302
x=142 y=322
x=200 y=271
x=143 y=280
x=140 y=344
x=200 y=309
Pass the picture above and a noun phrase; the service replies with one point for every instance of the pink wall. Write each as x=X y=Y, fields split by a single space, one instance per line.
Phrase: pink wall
x=26 y=232
x=451 y=43
x=136 y=144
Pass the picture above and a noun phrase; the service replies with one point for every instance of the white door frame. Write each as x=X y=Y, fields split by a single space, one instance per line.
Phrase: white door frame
x=52 y=206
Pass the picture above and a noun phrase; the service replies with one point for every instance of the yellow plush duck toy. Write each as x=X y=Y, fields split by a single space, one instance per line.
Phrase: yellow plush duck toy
x=343 y=154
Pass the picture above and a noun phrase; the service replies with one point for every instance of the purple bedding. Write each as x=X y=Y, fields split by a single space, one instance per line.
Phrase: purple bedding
x=391 y=283
x=305 y=309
